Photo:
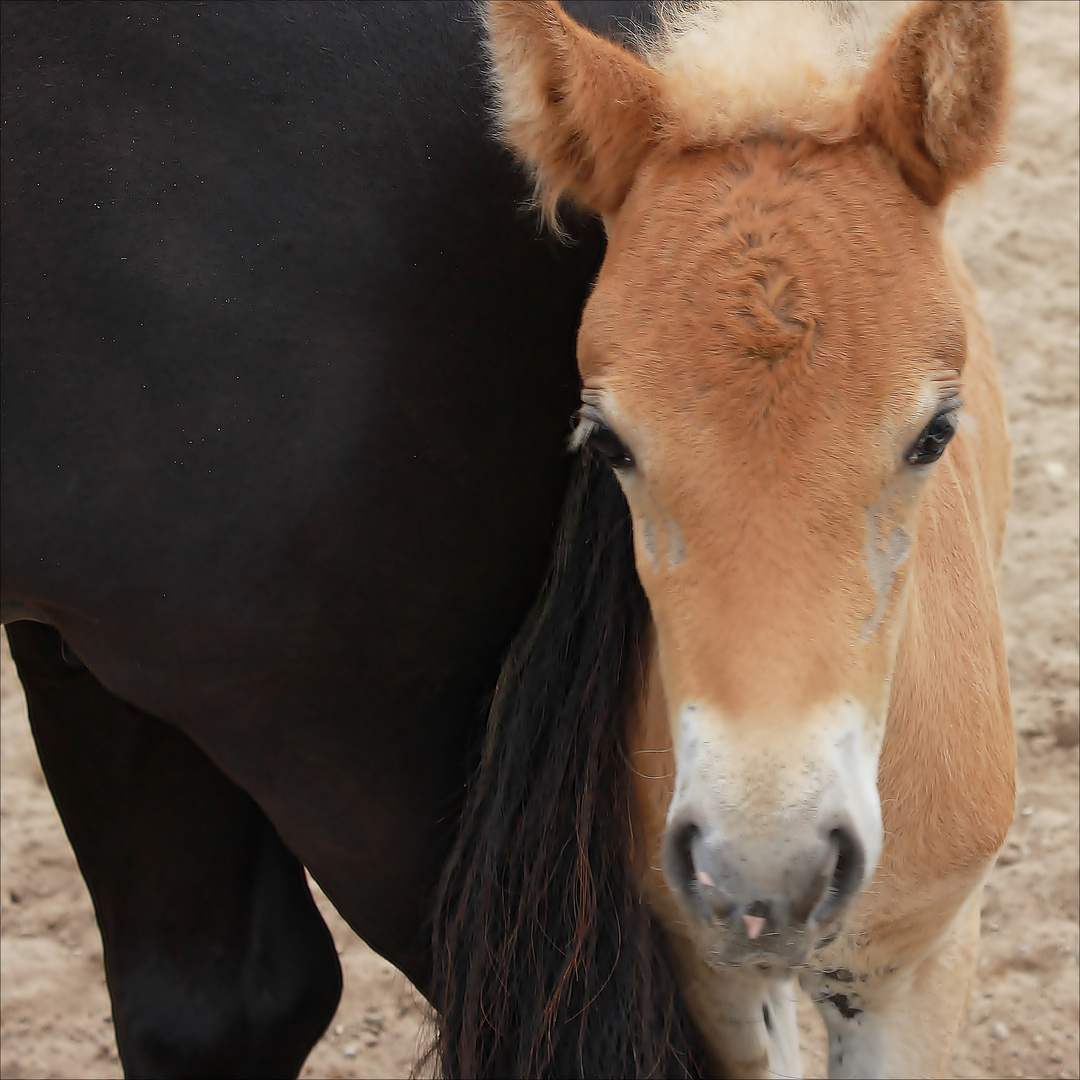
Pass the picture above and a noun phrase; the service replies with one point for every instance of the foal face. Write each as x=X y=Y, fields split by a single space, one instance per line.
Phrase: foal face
x=771 y=357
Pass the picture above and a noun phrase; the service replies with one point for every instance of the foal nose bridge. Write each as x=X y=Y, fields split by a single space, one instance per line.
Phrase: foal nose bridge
x=759 y=633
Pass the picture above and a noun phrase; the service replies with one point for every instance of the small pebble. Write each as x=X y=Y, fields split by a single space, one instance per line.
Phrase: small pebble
x=1066 y=733
x=999 y=1031
x=349 y=1051
x=1009 y=855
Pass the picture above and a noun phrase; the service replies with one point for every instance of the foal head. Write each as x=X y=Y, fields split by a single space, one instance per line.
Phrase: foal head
x=772 y=362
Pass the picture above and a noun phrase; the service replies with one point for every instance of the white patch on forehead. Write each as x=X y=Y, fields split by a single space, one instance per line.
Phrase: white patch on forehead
x=885 y=553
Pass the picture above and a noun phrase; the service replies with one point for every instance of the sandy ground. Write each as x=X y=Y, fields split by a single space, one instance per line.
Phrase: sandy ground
x=1019 y=237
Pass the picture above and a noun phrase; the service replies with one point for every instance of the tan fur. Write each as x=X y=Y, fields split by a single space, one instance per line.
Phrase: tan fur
x=940 y=113
x=582 y=112
x=777 y=318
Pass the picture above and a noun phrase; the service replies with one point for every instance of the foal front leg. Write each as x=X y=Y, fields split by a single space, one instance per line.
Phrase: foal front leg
x=746 y=1018
x=900 y=1023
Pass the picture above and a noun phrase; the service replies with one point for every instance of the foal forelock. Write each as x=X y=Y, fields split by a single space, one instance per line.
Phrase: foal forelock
x=735 y=70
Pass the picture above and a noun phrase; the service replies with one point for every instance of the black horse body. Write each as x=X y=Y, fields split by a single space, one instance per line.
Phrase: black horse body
x=287 y=380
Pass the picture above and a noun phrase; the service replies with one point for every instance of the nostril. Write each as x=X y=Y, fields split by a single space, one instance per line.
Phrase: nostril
x=679 y=860
x=695 y=873
x=756 y=918
x=850 y=862
x=847 y=875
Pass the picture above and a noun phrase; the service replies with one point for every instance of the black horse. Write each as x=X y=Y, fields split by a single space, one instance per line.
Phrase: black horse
x=287 y=378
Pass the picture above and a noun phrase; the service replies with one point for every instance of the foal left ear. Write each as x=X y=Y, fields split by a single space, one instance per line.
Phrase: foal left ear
x=937 y=94
x=582 y=112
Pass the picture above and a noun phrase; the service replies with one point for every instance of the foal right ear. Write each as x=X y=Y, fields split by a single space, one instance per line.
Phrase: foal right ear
x=937 y=94
x=579 y=110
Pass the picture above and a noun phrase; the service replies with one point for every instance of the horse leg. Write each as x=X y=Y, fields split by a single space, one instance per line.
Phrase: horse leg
x=904 y=1023
x=217 y=960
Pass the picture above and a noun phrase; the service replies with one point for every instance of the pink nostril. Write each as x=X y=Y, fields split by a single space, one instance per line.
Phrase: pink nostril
x=706 y=879
x=754 y=925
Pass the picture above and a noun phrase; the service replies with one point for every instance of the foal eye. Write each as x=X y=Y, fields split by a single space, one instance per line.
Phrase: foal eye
x=610 y=448
x=930 y=445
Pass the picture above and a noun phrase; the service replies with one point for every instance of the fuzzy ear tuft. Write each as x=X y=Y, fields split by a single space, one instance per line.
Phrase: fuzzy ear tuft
x=579 y=110
x=937 y=94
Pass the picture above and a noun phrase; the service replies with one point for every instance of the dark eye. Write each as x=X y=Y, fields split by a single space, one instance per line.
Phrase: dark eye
x=930 y=445
x=610 y=448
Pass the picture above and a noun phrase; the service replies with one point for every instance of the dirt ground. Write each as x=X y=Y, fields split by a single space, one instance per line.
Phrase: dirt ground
x=1018 y=234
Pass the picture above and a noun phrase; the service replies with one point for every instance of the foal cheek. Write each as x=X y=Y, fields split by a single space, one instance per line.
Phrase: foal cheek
x=652 y=776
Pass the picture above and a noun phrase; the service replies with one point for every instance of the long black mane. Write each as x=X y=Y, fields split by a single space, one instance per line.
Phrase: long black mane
x=547 y=962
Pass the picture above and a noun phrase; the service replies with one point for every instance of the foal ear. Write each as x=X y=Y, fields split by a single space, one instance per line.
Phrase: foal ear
x=937 y=94
x=579 y=110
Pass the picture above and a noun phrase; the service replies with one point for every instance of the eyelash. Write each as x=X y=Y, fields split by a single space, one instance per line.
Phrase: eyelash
x=594 y=434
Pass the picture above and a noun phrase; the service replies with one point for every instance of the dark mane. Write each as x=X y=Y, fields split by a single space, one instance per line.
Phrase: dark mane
x=547 y=961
